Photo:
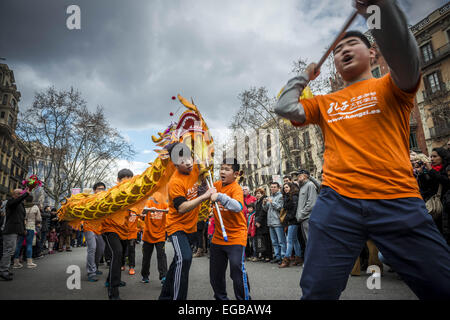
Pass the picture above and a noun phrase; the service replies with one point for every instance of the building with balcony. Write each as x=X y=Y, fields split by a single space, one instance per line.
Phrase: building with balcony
x=14 y=154
x=433 y=37
x=276 y=150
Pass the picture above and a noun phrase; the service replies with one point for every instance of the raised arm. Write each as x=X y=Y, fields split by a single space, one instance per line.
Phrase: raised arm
x=396 y=42
x=288 y=105
x=186 y=206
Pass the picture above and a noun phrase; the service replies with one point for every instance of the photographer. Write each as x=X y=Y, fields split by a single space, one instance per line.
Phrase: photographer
x=432 y=174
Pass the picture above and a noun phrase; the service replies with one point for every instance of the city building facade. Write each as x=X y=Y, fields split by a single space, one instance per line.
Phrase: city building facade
x=433 y=97
x=14 y=154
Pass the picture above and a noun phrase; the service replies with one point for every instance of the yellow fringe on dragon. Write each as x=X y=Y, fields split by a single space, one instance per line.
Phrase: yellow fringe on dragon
x=133 y=194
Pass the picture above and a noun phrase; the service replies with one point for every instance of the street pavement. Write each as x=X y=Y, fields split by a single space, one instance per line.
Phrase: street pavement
x=48 y=281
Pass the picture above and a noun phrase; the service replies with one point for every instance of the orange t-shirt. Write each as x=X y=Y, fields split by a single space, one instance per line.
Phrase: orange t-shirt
x=366 y=132
x=234 y=222
x=132 y=225
x=155 y=222
x=181 y=185
x=121 y=227
x=87 y=226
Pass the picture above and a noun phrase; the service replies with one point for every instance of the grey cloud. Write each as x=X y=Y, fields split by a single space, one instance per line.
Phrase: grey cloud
x=132 y=56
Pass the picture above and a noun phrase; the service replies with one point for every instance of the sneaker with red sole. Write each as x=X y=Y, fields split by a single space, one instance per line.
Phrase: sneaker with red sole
x=132 y=272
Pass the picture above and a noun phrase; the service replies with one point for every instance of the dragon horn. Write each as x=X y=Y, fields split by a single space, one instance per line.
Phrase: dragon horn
x=155 y=139
x=187 y=104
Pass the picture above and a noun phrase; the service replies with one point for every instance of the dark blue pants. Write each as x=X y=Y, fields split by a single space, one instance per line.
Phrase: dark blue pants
x=218 y=263
x=402 y=230
x=177 y=279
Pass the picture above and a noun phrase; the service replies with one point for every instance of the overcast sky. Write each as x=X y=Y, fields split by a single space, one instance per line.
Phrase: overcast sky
x=131 y=57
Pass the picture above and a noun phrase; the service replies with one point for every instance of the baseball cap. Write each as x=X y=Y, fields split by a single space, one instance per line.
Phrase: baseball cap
x=301 y=171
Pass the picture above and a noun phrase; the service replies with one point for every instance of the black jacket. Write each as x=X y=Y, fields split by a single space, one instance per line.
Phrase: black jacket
x=290 y=205
x=45 y=224
x=15 y=215
x=261 y=217
x=429 y=182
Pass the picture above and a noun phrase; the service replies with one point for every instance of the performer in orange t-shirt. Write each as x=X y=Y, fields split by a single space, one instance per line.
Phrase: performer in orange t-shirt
x=230 y=198
x=133 y=225
x=181 y=220
x=154 y=236
x=116 y=233
x=368 y=189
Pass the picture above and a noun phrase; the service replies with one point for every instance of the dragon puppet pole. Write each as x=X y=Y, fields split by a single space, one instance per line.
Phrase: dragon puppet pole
x=210 y=185
x=336 y=40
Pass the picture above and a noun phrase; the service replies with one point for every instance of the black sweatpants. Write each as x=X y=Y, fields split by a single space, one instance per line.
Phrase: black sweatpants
x=177 y=278
x=114 y=244
x=218 y=263
x=147 y=251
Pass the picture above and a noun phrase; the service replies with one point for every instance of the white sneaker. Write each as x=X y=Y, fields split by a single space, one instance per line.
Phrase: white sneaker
x=17 y=264
x=30 y=264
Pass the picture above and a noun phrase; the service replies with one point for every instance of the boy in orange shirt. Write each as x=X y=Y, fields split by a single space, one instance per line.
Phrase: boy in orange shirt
x=369 y=190
x=130 y=242
x=230 y=198
x=115 y=233
x=182 y=220
x=154 y=236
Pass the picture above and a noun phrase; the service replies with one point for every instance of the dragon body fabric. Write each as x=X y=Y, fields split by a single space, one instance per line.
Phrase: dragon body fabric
x=134 y=193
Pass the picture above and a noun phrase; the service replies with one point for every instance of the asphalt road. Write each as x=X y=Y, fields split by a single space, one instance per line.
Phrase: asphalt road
x=48 y=281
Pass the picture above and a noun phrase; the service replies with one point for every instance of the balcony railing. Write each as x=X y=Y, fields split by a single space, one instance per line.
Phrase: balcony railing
x=440 y=91
x=437 y=55
x=440 y=131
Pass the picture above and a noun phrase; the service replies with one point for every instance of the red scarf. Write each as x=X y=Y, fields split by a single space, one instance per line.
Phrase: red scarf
x=438 y=168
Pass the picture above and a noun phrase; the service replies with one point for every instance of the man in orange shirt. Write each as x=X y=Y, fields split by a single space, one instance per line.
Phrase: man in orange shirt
x=230 y=198
x=369 y=190
x=182 y=220
x=115 y=233
x=154 y=236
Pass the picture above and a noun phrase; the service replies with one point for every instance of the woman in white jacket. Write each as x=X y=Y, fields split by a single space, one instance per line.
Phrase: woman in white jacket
x=33 y=217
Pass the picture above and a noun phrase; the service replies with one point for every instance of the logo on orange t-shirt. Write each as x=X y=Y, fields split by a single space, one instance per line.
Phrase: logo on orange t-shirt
x=366 y=134
x=234 y=222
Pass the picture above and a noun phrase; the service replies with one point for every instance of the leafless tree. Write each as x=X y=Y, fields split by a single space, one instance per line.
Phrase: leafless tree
x=79 y=145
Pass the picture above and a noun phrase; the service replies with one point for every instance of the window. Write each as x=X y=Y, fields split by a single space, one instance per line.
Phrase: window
x=5 y=97
x=306 y=140
x=247 y=151
x=298 y=162
x=433 y=82
x=10 y=120
x=296 y=144
x=376 y=72
x=269 y=146
x=427 y=52
x=2 y=115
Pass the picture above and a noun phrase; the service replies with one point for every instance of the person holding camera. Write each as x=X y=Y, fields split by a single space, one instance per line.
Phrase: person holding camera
x=433 y=179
